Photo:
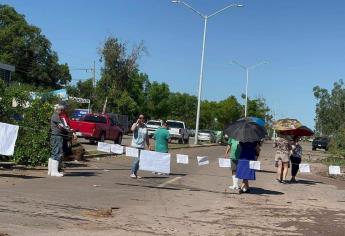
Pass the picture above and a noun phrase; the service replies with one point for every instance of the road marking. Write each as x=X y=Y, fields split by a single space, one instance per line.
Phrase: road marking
x=169 y=182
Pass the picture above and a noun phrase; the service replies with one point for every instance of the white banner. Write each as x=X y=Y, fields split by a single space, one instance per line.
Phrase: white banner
x=155 y=161
x=334 y=170
x=116 y=148
x=8 y=138
x=103 y=147
x=202 y=161
x=255 y=165
x=132 y=152
x=182 y=159
x=224 y=162
x=304 y=168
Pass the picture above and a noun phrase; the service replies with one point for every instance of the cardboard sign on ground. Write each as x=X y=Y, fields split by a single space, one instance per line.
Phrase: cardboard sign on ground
x=304 y=168
x=132 y=152
x=116 y=148
x=255 y=165
x=224 y=162
x=334 y=170
x=203 y=161
x=103 y=147
x=154 y=161
x=182 y=159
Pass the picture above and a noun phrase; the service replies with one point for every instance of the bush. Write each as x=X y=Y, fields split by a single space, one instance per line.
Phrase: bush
x=337 y=144
x=33 y=117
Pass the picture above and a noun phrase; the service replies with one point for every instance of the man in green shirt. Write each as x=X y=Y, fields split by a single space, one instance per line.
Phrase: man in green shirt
x=234 y=148
x=161 y=137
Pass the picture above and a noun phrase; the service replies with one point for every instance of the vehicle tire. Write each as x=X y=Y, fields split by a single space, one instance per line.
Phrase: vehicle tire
x=92 y=141
x=118 y=140
x=326 y=149
x=102 y=137
x=186 y=141
x=314 y=148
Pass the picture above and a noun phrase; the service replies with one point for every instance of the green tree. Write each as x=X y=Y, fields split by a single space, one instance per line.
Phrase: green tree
x=182 y=106
x=24 y=46
x=119 y=66
x=157 y=101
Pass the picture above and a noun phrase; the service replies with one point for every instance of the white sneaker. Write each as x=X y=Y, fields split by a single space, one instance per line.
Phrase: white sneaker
x=49 y=166
x=133 y=176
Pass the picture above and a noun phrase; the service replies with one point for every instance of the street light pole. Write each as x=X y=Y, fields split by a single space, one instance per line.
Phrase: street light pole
x=205 y=17
x=247 y=68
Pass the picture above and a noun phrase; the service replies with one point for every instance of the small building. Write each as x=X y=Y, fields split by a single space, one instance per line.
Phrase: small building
x=6 y=72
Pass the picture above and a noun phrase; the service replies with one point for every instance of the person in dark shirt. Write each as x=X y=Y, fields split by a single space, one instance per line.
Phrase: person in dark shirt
x=57 y=131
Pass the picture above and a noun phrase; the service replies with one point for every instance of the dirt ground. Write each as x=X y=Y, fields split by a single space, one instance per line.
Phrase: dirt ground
x=97 y=197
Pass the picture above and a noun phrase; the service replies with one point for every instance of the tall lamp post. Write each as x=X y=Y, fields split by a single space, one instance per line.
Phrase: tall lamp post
x=247 y=68
x=205 y=17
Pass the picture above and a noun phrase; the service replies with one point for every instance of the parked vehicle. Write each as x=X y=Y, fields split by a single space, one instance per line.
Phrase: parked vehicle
x=178 y=131
x=122 y=121
x=206 y=135
x=321 y=143
x=191 y=132
x=97 y=127
x=77 y=114
x=152 y=126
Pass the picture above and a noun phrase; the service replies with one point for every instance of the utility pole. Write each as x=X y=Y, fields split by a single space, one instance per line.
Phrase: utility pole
x=94 y=74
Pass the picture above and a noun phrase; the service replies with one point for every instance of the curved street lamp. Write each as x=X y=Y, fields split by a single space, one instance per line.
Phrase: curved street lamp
x=205 y=17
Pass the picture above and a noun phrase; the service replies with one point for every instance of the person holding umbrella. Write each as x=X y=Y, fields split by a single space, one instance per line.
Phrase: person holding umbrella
x=282 y=161
x=248 y=133
x=295 y=158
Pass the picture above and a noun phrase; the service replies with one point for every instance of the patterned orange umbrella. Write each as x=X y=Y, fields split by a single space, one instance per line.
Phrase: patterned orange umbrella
x=286 y=124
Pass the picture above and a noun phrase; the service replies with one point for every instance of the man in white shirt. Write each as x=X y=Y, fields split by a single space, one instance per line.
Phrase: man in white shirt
x=140 y=137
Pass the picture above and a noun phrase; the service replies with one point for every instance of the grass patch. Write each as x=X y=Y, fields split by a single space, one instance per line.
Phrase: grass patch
x=334 y=160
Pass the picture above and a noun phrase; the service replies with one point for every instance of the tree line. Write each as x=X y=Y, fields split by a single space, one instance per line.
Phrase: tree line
x=126 y=89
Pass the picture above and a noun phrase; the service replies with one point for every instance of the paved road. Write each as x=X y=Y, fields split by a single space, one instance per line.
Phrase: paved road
x=193 y=200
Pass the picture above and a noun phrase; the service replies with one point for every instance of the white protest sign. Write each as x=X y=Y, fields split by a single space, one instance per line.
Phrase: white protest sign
x=255 y=165
x=116 y=148
x=182 y=159
x=132 y=152
x=304 y=168
x=334 y=170
x=103 y=147
x=8 y=138
x=202 y=161
x=224 y=162
x=155 y=161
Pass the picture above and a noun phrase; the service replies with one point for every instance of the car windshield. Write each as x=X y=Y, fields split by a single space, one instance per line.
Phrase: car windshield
x=322 y=139
x=172 y=124
x=205 y=131
x=153 y=123
x=95 y=119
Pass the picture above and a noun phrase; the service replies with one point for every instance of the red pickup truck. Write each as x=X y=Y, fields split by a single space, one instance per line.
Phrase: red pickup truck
x=97 y=127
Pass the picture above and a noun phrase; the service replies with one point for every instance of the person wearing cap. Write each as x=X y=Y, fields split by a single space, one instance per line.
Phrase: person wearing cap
x=56 y=142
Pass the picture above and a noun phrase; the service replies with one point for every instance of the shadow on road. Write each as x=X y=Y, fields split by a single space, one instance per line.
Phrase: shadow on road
x=267 y=171
x=259 y=191
x=80 y=174
x=307 y=182
x=20 y=176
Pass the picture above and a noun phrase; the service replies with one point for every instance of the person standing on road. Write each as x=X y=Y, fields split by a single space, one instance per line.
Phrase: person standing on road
x=282 y=155
x=161 y=137
x=234 y=148
x=140 y=137
x=248 y=153
x=57 y=131
x=295 y=158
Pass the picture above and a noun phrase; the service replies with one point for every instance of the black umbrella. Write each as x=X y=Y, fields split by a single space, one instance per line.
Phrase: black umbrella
x=245 y=130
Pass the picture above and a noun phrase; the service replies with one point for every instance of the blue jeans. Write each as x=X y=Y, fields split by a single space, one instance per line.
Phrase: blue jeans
x=56 y=147
x=135 y=164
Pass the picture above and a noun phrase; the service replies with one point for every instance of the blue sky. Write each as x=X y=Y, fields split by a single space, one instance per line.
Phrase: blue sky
x=304 y=41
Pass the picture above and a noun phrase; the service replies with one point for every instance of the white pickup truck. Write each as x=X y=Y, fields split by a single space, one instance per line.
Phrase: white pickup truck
x=178 y=131
x=152 y=126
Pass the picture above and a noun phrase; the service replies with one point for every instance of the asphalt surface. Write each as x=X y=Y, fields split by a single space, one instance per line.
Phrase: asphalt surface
x=97 y=197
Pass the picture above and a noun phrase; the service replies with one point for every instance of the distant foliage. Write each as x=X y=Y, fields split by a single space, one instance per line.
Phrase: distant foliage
x=330 y=115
